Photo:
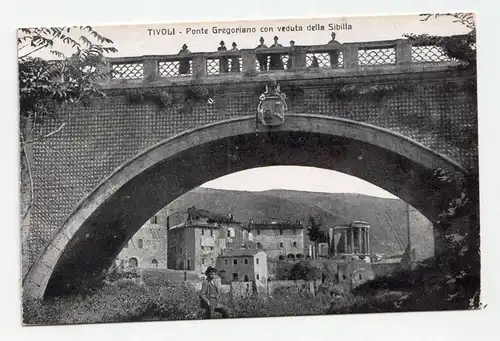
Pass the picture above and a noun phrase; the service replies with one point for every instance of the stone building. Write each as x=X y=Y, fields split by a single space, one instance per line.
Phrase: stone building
x=147 y=248
x=196 y=243
x=246 y=265
x=278 y=239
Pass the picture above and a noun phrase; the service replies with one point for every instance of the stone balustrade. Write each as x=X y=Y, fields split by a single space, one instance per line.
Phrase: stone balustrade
x=397 y=54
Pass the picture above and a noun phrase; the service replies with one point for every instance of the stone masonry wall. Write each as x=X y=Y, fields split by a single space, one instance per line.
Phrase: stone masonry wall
x=98 y=139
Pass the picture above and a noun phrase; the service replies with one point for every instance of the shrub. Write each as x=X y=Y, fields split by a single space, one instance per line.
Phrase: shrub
x=305 y=270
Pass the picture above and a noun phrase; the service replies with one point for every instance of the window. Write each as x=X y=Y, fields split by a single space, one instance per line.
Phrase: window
x=132 y=262
x=228 y=233
x=246 y=278
x=259 y=245
x=189 y=264
x=235 y=277
x=211 y=233
x=360 y=276
x=257 y=260
x=257 y=276
x=154 y=220
x=139 y=244
x=281 y=232
x=154 y=263
x=281 y=245
x=294 y=244
x=180 y=250
x=281 y=257
x=203 y=261
x=202 y=247
x=225 y=261
x=246 y=261
x=258 y=232
x=235 y=261
x=202 y=232
x=211 y=247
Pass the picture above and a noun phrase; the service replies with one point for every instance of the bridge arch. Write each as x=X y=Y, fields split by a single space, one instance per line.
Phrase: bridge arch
x=93 y=235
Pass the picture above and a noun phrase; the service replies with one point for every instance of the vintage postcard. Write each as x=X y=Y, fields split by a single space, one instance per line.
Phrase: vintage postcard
x=249 y=169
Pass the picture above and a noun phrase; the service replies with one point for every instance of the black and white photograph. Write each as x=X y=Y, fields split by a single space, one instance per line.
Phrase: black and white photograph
x=252 y=168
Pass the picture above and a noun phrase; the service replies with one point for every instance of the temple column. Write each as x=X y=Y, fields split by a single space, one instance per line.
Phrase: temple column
x=360 y=241
x=365 y=242
x=334 y=241
x=344 y=232
x=352 y=239
x=367 y=232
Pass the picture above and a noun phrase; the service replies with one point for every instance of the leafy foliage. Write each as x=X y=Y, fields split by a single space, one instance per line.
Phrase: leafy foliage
x=375 y=93
x=314 y=231
x=305 y=270
x=460 y=48
x=46 y=85
x=126 y=302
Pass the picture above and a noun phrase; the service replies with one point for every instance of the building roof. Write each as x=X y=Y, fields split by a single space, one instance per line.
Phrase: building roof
x=241 y=253
x=276 y=224
x=196 y=213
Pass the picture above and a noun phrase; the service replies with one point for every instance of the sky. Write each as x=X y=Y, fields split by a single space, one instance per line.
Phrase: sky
x=139 y=40
x=296 y=178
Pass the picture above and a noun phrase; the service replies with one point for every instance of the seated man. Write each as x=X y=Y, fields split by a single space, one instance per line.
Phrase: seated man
x=209 y=295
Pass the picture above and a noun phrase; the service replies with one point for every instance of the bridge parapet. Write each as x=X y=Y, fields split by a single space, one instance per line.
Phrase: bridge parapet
x=394 y=55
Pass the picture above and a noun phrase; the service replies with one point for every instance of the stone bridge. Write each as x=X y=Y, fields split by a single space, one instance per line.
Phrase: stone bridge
x=386 y=112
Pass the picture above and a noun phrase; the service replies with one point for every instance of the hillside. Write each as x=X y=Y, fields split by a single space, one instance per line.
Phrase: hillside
x=387 y=216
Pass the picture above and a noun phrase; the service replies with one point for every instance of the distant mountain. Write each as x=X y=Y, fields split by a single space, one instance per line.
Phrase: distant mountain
x=388 y=217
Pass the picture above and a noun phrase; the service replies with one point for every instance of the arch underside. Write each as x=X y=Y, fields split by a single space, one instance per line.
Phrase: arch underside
x=92 y=237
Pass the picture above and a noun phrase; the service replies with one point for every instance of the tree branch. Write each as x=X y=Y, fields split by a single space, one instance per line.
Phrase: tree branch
x=30 y=176
x=33 y=51
x=45 y=136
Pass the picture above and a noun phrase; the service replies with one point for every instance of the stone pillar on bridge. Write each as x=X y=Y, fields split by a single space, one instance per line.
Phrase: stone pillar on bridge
x=105 y=67
x=351 y=56
x=299 y=59
x=403 y=53
x=248 y=60
x=199 y=66
x=150 y=68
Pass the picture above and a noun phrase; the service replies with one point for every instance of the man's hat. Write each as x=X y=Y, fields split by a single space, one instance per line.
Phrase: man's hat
x=210 y=269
